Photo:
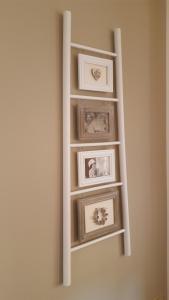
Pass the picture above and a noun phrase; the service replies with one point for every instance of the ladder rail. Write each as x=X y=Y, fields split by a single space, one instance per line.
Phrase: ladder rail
x=66 y=149
x=122 y=151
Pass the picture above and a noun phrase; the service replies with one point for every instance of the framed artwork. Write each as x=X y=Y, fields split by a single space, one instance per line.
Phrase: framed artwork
x=96 y=167
x=95 y=122
x=98 y=215
x=95 y=73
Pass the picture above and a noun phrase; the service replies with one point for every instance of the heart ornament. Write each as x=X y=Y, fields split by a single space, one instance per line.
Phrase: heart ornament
x=96 y=73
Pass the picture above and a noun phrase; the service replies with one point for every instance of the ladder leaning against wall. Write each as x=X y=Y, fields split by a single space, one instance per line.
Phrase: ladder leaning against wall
x=67 y=146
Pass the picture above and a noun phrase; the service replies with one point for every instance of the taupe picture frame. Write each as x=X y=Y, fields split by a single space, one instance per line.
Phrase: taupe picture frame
x=98 y=215
x=95 y=123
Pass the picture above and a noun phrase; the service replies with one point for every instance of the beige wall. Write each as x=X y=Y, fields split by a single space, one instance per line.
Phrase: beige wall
x=30 y=151
x=167 y=131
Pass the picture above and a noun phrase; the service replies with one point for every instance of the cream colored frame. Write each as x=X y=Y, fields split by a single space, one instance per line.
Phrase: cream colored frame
x=81 y=156
x=100 y=62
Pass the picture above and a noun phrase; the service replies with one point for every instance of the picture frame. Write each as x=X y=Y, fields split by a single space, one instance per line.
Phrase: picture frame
x=98 y=215
x=95 y=73
x=95 y=122
x=96 y=167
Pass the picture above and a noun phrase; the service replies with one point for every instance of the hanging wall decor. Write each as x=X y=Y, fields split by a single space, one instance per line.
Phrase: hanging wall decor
x=95 y=73
x=95 y=167
x=95 y=195
x=95 y=123
x=98 y=215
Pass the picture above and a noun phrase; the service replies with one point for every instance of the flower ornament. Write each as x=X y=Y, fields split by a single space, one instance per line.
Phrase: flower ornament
x=100 y=216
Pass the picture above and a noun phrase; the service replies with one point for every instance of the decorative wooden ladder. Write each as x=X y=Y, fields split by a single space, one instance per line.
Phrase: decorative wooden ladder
x=67 y=146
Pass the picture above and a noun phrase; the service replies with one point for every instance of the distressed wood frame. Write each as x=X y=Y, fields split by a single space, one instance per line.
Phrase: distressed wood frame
x=82 y=109
x=81 y=203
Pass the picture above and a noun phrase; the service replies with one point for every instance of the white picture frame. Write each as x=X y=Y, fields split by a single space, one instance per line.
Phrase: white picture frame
x=96 y=167
x=95 y=73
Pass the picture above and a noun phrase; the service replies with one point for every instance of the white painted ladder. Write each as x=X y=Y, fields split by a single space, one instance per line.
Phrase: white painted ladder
x=67 y=146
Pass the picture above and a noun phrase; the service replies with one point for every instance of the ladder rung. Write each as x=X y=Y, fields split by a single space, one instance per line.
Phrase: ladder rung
x=84 y=97
x=105 y=237
x=105 y=186
x=95 y=144
x=78 y=46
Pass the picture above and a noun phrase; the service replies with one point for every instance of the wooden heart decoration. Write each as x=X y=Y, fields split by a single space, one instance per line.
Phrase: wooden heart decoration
x=96 y=73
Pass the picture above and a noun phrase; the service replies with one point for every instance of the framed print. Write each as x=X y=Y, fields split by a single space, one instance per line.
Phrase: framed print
x=96 y=167
x=95 y=73
x=98 y=215
x=95 y=122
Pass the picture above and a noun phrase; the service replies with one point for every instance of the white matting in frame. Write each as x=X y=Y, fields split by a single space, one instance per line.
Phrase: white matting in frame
x=90 y=225
x=95 y=73
x=96 y=167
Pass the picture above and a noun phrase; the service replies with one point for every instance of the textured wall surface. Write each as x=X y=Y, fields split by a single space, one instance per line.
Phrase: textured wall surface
x=31 y=151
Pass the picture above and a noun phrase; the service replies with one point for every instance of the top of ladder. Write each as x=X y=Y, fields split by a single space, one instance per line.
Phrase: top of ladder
x=78 y=46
